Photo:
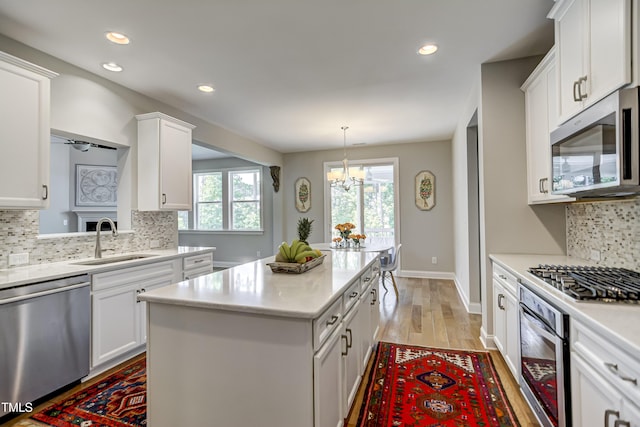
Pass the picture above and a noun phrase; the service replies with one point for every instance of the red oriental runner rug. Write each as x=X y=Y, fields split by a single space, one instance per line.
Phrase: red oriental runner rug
x=119 y=400
x=413 y=386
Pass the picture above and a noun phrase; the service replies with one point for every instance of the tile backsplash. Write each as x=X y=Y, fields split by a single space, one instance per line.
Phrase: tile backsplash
x=611 y=227
x=19 y=232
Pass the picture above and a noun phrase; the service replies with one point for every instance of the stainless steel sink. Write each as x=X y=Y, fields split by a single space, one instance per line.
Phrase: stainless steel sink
x=110 y=260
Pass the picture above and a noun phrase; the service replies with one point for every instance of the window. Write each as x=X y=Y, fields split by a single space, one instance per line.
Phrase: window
x=371 y=207
x=225 y=200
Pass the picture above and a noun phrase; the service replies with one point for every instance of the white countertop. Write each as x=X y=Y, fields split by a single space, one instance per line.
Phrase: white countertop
x=619 y=322
x=16 y=276
x=254 y=288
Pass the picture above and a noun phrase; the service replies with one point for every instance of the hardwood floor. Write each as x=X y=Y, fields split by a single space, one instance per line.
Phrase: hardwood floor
x=429 y=312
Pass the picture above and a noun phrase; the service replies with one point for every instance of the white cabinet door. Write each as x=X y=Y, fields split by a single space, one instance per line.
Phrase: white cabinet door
x=24 y=134
x=164 y=163
x=512 y=334
x=594 y=47
x=115 y=324
x=351 y=361
x=499 y=317
x=593 y=399
x=375 y=309
x=366 y=338
x=327 y=382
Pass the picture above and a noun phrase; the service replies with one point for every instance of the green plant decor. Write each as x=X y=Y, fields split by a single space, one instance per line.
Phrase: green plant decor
x=304 y=229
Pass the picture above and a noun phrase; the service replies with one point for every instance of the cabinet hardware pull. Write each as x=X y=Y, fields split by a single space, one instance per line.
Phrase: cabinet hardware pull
x=333 y=320
x=607 y=414
x=366 y=279
x=620 y=423
x=198 y=261
x=613 y=368
x=580 y=81
x=346 y=350
x=350 y=339
x=540 y=186
x=576 y=97
x=353 y=295
x=164 y=198
x=502 y=276
x=544 y=190
x=374 y=292
x=45 y=196
x=500 y=298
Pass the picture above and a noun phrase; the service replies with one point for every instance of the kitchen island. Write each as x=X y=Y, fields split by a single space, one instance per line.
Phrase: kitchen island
x=246 y=346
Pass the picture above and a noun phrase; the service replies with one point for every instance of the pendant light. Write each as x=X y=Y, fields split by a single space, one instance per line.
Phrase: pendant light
x=346 y=177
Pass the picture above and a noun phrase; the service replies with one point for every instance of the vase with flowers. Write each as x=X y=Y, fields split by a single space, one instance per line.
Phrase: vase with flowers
x=358 y=239
x=345 y=230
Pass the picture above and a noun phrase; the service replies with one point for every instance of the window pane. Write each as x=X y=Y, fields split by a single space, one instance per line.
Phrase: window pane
x=209 y=216
x=246 y=215
x=183 y=220
x=344 y=208
x=245 y=185
x=378 y=204
x=209 y=187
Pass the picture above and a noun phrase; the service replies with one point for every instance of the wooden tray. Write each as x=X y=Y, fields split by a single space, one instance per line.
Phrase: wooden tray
x=294 y=267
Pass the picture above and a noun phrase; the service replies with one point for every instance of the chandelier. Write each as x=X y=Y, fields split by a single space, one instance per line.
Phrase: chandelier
x=346 y=177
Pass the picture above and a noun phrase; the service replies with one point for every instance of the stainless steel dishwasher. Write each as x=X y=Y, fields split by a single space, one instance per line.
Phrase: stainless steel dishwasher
x=44 y=338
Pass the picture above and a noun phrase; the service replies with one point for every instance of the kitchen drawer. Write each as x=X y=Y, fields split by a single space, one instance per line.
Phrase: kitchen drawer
x=125 y=276
x=366 y=278
x=192 y=273
x=197 y=261
x=351 y=296
x=506 y=278
x=324 y=325
x=618 y=367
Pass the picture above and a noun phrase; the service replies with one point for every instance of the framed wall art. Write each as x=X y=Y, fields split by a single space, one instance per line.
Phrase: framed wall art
x=302 y=194
x=96 y=185
x=425 y=190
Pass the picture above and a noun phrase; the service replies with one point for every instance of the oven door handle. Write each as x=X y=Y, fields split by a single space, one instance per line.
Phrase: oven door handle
x=528 y=312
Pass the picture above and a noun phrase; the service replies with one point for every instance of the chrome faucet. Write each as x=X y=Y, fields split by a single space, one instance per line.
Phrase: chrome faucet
x=114 y=232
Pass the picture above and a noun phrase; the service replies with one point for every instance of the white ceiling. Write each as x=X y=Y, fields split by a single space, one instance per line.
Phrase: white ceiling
x=289 y=73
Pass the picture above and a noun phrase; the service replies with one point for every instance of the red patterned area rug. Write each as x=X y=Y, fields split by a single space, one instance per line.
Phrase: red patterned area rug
x=119 y=400
x=413 y=386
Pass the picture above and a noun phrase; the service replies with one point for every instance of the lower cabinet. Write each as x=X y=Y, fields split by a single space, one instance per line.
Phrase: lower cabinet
x=118 y=319
x=604 y=381
x=327 y=382
x=352 y=336
x=505 y=318
x=197 y=265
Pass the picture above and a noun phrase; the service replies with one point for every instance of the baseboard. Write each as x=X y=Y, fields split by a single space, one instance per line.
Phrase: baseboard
x=426 y=274
x=487 y=340
x=472 y=307
x=104 y=367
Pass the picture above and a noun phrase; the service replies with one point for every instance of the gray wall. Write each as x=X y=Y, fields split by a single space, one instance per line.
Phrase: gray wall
x=507 y=223
x=237 y=247
x=423 y=234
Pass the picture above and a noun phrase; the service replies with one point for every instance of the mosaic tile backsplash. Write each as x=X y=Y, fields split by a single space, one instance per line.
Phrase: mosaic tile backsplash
x=611 y=227
x=19 y=233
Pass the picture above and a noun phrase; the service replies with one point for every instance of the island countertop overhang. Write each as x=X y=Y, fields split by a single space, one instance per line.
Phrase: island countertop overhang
x=254 y=288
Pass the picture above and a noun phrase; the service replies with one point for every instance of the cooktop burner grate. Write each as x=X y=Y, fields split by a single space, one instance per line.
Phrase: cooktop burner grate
x=587 y=283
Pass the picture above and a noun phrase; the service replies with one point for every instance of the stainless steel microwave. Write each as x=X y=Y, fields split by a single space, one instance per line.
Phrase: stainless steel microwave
x=597 y=153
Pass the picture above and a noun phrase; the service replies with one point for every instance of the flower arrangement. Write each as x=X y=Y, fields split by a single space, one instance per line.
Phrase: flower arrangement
x=345 y=229
x=357 y=238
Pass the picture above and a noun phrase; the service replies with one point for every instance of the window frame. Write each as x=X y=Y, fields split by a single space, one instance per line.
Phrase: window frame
x=328 y=231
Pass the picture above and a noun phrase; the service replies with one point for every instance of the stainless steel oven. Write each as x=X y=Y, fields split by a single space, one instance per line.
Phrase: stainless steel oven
x=544 y=358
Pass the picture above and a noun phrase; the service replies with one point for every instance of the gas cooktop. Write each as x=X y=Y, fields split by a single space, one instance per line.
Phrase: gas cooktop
x=588 y=283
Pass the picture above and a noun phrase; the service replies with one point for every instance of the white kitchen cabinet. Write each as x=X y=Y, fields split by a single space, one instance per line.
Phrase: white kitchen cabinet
x=593 y=38
x=164 y=163
x=327 y=382
x=118 y=319
x=197 y=265
x=351 y=362
x=24 y=134
x=541 y=114
x=506 y=317
x=604 y=381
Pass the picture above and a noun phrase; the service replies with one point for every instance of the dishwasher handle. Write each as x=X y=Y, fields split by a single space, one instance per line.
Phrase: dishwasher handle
x=30 y=291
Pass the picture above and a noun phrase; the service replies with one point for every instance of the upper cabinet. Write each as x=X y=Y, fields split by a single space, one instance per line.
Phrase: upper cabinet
x=541 y=118
x=593 y=38
x=24 y=134
x=164 y=163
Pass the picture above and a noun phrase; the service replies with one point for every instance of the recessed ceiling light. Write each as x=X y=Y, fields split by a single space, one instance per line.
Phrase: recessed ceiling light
x=112 y=66
x=206 y=88
x=117 y=38
x=428 y=49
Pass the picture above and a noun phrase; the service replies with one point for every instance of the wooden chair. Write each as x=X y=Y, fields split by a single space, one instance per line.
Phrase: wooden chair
x=389 y=266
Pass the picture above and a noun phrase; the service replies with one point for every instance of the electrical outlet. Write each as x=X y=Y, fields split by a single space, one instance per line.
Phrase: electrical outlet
x=154 y=244
x=595 y=255
x=434 y=260
x=258 y=254
x=19 y=259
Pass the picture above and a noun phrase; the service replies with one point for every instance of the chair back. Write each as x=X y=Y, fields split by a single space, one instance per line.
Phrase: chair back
x=394 y=259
